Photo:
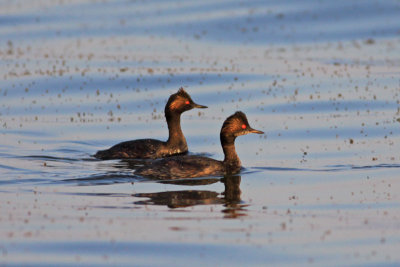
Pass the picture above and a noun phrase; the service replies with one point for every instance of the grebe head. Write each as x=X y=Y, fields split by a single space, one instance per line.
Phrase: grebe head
x=236 y=125
x=181 y=102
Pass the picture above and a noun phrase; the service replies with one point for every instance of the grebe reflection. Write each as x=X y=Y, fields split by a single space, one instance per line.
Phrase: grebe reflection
x=230 y=198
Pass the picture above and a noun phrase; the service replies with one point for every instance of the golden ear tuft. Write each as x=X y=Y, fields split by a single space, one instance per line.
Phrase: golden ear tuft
x=174 y=105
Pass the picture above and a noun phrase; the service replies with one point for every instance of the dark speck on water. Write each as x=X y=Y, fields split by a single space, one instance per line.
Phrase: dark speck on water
x=320 y=78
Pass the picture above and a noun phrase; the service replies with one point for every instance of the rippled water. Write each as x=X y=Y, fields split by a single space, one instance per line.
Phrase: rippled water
x=320 y=78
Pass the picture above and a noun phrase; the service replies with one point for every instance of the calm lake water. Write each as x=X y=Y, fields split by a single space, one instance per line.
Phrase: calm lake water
x=320 y=78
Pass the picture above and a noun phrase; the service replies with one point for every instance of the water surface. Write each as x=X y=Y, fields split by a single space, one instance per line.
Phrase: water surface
x=321 y=79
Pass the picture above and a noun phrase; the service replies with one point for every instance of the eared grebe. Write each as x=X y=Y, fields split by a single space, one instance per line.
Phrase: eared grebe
x=198 y=166
x=151 y=148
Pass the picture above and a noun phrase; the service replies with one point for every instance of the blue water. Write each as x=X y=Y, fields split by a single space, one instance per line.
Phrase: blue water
x=320 y=78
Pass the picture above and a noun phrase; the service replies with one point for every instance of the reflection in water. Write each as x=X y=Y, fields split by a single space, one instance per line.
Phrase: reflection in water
x=230 y=198
x=233 y=205
x=131 y=164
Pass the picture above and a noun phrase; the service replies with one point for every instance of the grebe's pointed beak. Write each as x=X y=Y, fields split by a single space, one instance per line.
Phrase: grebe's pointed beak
x=194 y=105
x=251 y=130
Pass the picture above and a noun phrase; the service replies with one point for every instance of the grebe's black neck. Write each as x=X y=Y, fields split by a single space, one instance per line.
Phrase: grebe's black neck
x=176 y=137
x=231 y=159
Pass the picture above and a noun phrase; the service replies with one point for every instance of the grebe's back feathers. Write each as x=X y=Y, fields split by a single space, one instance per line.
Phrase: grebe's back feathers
x=141 y=148
x=182 y=167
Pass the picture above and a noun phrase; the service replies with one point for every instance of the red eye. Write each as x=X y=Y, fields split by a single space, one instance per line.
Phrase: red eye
x=187 y=102
x=244 y=126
